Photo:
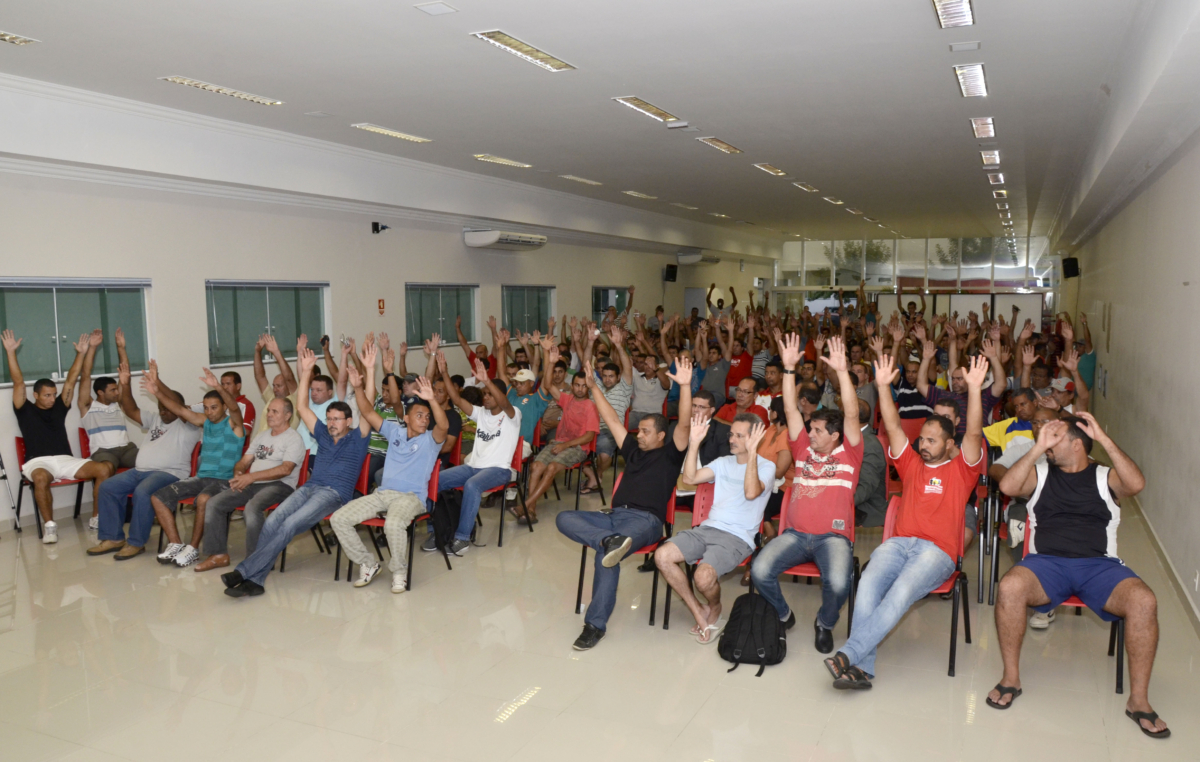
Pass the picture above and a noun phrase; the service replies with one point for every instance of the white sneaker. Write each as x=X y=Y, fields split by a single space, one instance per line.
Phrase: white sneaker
x=168 y=555
x=399 y=583
x=94 y=522
x=1040 y=621
x=366 y=573
x=49 y=533
x=237 y=516
x=186 y=556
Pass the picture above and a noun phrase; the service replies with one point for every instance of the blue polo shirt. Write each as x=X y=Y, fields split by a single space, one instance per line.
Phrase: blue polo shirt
x=409 y=460
x=339 y=464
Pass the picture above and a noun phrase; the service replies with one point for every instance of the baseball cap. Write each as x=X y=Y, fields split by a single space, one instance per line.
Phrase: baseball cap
x=1062 y=385
x=524 y=375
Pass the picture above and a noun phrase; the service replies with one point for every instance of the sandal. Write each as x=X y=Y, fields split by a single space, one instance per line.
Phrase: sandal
x=1004 y=691
x=1153 y=717
x=589 y=490
x=853 y=679
x=709 y=634
x=837 y=665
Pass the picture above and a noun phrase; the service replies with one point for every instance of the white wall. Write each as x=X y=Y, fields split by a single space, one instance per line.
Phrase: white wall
x=1145 y=265
x=55 y=227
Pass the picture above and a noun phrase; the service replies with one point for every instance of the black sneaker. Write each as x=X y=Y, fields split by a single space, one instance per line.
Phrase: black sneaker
x=791 y=621
x=824 y=638
x=233 y=578
x=588 y=638
x=458 y=548
x=615 y=547
x=648 y=564
x=247 y=588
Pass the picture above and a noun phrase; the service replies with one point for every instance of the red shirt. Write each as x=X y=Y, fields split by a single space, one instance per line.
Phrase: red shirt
x=727 y=412
x=248 y=413
x=934 y=497
x=739 y=368
x=578 y=418
x=823 y=488
x=491 y=365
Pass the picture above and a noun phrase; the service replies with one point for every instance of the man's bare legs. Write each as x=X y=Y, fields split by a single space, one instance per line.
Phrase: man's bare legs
x=198 y=526
x=41 y=479
x=667 y=558
x=1019 y=589
x=166 y=520
x=541 y=478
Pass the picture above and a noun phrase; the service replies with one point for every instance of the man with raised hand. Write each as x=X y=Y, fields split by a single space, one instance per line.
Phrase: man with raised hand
x=1073 y=518
x=104 y=421
x=929 y=524
x=617 y=380
x=331 y=485
x=282 y=386
x=413 y=447
x=958 y=383
x=820 y=514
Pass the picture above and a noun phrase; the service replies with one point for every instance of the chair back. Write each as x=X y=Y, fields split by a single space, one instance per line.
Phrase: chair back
x=702 y=503
x=363 y=485
x=85 y=444
x=20 y=453
x=516 y=459
x=433 y=480
x=670 y=503
x=783 y=512
x=195 y=458
x=303 y=477
x=912 y=428
x=456 y=451
x=537 y=436
x=894 y=486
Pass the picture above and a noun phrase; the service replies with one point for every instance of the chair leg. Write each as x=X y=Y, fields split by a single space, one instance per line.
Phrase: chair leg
x=160 y=537
x=79 y=498
x=1120 y=625
x=20 y=497
x=579 y=593
x=412 y=537
x=317 y=537
x=578 y=487
x=283 y=561
x=653 y=596
x=954 y=629
x=521 y=497
x=1112 y=637
x=966 y=611
x=378 y=552
x=503 y=508
x=983 y=542
x=994 y=577
x=666 y=606
x=853 y=595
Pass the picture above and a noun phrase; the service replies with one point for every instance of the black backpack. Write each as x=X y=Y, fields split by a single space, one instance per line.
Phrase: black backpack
x=444 y=516
x=753 y=635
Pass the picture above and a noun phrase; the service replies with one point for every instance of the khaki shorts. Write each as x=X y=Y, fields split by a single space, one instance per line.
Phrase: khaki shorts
x=59 y=466
x=118 y=457
x=571 y=456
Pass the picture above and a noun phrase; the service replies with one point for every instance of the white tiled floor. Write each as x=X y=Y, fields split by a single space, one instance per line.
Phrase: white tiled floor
x=135 y=661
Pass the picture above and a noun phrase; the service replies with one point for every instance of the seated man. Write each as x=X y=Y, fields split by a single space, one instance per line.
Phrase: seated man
x=1073 y=514
x=639 y=503
x=331 y=485
x=220 y=449
x=531 y=402
x=616 y=379
x=948 y=409
x=650 y=385
x=232 y=381
x=870 y=497
x=413 y=448
x=743 y=402
x=282 y=386
x=820 y=514
x=265 y=476
x=104 y=422
x=744 y=481
x=576 y=430
x=48 y=456
x=165 y=457
x=929 y=524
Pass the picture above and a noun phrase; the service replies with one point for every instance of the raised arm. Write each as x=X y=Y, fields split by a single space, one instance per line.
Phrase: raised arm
x=151 y=386
x=451 y=389
x=726 y=346
x=752 y=485
x=885 y=373
x=972 y=444
x=692 y=474
x=11 y=343
x=343 y=372
x=482 y=377
x=95 y=338
x=733 y=303
x=1124 y=478
x=235 y=412
x=618 y=341
x=548 y=374
x=928 y=352
x=683 y=377
x=851 y=433
x=1021 y=479
x=789 y=354
x=462 y=339
x=366 y=360
x=708 y=300
x=1083 y=395
x=334 y=368
x=306 y=360
x=81 y=348
x=615 y=425
x=125 y=400
x=285 y=369
x=441 y=424
x=431 y=351
x=991 y=350
x=260 y=371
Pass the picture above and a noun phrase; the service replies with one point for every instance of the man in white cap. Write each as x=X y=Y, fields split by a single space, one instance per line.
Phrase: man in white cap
x=532 y=404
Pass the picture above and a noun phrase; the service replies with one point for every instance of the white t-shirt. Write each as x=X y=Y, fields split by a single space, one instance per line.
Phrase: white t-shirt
x=731 y=511
x=495 y=438
x=270 y=451
x=167 y=446
x=105 y=425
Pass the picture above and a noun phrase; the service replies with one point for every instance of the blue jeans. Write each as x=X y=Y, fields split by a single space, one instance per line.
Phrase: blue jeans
x=296 y=515
x=833 y=555
x=902 y=571
x=589 y=528
x=141 y=484
x=474 y=482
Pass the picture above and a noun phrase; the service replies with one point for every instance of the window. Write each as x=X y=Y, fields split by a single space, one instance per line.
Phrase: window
x=239 y=312
x=527 y=308
x=49 y=317
x=604 y=297
x=430 y=309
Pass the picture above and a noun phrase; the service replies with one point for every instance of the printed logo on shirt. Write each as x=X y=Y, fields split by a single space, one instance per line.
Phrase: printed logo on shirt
x=156 y=433
x=934 y=487
x=839 y=525
x=264 y=452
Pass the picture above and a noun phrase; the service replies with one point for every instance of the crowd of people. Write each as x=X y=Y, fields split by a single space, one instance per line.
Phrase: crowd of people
x=794 y=417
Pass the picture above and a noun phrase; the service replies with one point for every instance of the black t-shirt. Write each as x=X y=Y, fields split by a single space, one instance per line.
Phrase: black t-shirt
x=649 y=477
x=1074 y=515
x=455 y=430
x=45 y=431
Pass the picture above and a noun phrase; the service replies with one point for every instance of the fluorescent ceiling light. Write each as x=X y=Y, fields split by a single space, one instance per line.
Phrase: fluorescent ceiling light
x=771 y=170
x=953 y=13
x=1006 y=223
x=392 y=133
x=990 y=158
x=16 y=39
x=720 y=145
x=870 y=219
x=983 y=127
x=498 y=160
x=881 y=225
x=583 y=180
x=996 y=178
x=717 y=214
x=223 y=90
x=1006 y=215
x=960 y=47
x=436 y=9
x=854 y=211
x=971 y=80
x=1000 y=194
x=1001 y=206
x=635 y=194
x=523 y=50
x=834 y=201
x=684 y=206
x=805 y=187
x=649 y=109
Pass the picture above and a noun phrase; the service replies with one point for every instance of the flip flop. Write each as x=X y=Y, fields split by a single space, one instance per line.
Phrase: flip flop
x=1153 y=717
x=1004 y=691
x=715 y=629
x=589 y=490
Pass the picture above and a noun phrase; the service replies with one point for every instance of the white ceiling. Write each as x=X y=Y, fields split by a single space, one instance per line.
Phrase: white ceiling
x=857 y=98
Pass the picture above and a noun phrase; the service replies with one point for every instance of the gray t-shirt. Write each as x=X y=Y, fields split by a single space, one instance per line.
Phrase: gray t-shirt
x=618 y=397
x=714 y=377
x=648 y=394
x=167 y=446
x=271 y=451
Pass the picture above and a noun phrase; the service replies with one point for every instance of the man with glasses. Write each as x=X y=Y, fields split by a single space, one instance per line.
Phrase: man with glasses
x=343 y=449
x=743 y=402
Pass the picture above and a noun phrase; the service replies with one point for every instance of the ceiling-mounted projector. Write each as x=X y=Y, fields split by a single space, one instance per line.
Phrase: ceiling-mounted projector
x=500 y=239
x=693 y=256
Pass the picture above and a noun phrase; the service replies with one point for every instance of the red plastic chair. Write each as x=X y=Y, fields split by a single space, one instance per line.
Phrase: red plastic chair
x=85 y=448
x=647 y=550
x=378 y=522
x=894 y=487
x=56 y=483
x=956 y=582
x=1116 y=633
x=912 y=428
x=513 y=481
x=811 y=571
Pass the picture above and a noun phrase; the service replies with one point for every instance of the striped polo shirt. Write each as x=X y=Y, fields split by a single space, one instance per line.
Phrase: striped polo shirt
x=220 y=450
x=105 y=426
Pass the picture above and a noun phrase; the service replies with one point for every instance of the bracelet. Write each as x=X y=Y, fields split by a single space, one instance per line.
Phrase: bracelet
x=789 y=372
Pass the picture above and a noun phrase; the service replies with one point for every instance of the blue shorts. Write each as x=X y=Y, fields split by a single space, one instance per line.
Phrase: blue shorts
x=1092 y=579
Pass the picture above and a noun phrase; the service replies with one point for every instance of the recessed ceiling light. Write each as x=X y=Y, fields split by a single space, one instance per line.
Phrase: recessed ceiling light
x=870 y=219
x=1006 y=223
x=834 y=201
x=391 y=133
x=223 y=90
x=498 y=160
x=961 y=47
x=635 y=194
x=1001 y=206
x=881 y=225
x=990 y=158
x=805 y=187
x=649 y=109
x=583 y=180
x=718 y=214
x=720 y=145
x=1000 y=194
x=1005 y=215
x=971 y=80
x=854 y=211
x=16 y=39
x=523 y=50
x=953 y=13
x=771 y=170
x=436 y=9
x=684 y=206
x=983 y=127
x=996 y=178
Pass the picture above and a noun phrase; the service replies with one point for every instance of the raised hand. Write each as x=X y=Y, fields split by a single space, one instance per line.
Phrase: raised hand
x=819 y=343
x=876 y=344
x=1048 y=402
x=431 y=345
x=869 y=330
x=1027 y=355
x=384 y=342
x=589 y=375
x=491 y=322
x=977 y=372
x=504 y=336
x=928 y=350
x=270 y=344
x=755 y=437
x=885 y=371
x=1092 y=428
x=306 y=358
x=964 y=327
x=258 y=345
x=919 y=332
x=896 y=330
x=123 y=374
x=550 y=322
x=389 y=360
x=994 y=332
x=1004 y=355
x=11 y=342
x=85 y=341
x=1083 y=318
x=1027 y=330
x=1051 y=434
x=683 y=372
x=150 y=383
x=699 y=429
x=404 y=347
x=369 y=339
x=441 y=363
x=301 y=343
x=354 y=376
x=789 y=351
x=369 y=354
x=989 y=348
x=480 y=372
x=119 y=336
x=547 y=341
x=424 y=389
x=552 y=356
x=458 y=323
x=1068 y=333
x=837 y=355
x=96 y=338
x=210 y=379
x=1069 y=360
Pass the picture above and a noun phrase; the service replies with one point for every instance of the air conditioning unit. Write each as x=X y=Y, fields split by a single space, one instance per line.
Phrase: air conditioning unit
x=693 y=256
x=500 y=239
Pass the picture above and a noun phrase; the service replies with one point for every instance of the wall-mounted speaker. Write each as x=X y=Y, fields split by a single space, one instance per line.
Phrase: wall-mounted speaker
x=670 y=273
x=1070 y=267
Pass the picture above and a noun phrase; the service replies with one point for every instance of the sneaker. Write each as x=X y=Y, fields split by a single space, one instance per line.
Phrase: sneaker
x=186 y=556
x=94 y=522
x=366 y=573
x=237 y=516
x=615 y=547
x=588 y=638
x=49 y=533
x=430 y=544
x=459 y=548
x=399 y=583
x=1040 y=621
x=168 y=555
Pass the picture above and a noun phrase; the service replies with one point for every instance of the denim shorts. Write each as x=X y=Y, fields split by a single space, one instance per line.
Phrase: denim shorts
x=1092 y=579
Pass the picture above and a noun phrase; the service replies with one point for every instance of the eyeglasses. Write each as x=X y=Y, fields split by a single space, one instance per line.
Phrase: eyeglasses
x=331 y=419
